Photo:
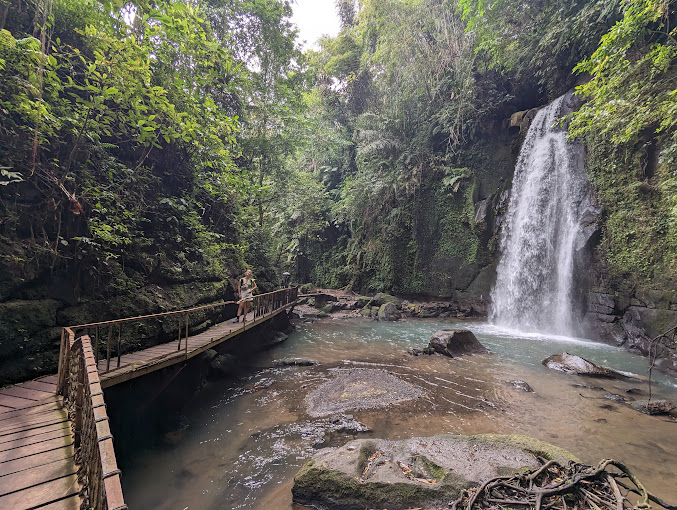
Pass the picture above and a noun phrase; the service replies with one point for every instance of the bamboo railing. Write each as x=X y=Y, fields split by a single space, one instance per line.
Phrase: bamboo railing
x=83 y=397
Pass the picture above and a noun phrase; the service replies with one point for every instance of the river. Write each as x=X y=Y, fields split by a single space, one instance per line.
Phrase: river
x=245 y=439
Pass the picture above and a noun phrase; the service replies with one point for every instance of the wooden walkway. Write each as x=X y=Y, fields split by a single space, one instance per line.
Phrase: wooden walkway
x=161 y=356
x=37 y=469
x=37 y=448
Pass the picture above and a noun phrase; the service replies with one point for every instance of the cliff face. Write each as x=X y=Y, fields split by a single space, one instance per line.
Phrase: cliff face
x=633 y=321
x=632 y=268
x=625 y=292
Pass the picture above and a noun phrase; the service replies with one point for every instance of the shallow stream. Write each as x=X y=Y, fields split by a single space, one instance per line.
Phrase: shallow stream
x=246 y=439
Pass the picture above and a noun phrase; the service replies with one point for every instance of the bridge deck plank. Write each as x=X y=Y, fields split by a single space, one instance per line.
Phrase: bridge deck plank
x=41 y=386
x=41 y=494
x=36 y=435
x=49 y=379
x=37 y=464
x=31 y=421
x=21 y=392
x=70 y=503
x=47 y=406
x=35 y=448
x=15 y=402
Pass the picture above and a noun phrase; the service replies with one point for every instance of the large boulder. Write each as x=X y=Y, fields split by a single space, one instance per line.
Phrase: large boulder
x=421 y=472
x=223 y=365
x=383 y=298
x=456 y=342
x=388 y=312
x=572 y=364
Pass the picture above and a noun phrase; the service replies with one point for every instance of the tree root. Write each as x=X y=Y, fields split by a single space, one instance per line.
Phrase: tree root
x=554 y=486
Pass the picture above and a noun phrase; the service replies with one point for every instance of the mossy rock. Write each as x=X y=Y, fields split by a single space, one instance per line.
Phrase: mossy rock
x=388 y=312
x=418 y=472
x=307 y=288
x=382 y=298
x=363 y=301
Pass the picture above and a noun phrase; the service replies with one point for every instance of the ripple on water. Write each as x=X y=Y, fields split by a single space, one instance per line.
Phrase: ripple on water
x=246 y=441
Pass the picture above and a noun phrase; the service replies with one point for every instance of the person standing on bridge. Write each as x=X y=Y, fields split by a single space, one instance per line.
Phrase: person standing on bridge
x=245 y=289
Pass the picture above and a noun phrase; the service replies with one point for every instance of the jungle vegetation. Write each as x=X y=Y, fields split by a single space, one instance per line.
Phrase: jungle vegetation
x=175 y=140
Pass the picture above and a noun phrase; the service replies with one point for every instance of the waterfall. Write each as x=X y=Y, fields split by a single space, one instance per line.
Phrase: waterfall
x=543 y=230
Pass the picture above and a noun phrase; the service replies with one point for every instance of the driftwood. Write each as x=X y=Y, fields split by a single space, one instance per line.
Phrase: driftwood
x=555 y=486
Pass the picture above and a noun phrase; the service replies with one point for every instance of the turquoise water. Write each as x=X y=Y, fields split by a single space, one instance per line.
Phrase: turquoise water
x=247 y=438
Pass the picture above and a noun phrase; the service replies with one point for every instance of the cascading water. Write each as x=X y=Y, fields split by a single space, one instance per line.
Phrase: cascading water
x=543 y=230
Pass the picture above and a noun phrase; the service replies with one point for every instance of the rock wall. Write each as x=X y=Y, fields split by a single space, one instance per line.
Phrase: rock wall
x=31 y=322
x=633 y=321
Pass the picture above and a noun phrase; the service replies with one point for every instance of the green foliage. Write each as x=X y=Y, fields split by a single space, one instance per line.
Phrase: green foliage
x=640 y=233
x=119 y=122
x=629 y=120
x=634 y=75
x=541 y=40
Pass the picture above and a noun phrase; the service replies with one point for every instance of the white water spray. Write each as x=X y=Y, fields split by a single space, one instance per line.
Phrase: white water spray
x=542 y=230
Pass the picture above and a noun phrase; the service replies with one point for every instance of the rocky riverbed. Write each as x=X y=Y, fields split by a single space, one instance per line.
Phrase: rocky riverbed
x=246 y=439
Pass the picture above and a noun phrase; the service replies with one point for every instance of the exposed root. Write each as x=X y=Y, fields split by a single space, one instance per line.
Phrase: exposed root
x=554 y=486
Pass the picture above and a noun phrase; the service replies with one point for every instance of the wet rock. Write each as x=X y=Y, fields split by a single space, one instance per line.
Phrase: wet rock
x=276 y=338
x=345 y=423
x=363 y=301
x=223 y=365
x=294 y=362
x=416 y=351
x=521 y=385
x=571 y=364
x=601 y=303
x=456 y=342
x=634 y=391
x=319 y=431
x=654 y=407
x=417 y=472
x=388 y=312
x=210 y=354
x=382 y=299
x=588 y=387
x=614 y=397
x=359 y=388
x=175 y=436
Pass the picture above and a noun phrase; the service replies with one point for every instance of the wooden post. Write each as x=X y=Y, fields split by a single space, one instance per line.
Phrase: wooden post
x=178 y=347
x=110 y=339
x=96 y=347
x=119 y=342
x=61 y=371
x=186 y=342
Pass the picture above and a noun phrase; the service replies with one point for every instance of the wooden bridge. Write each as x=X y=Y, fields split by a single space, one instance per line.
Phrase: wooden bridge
x=56 y=448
